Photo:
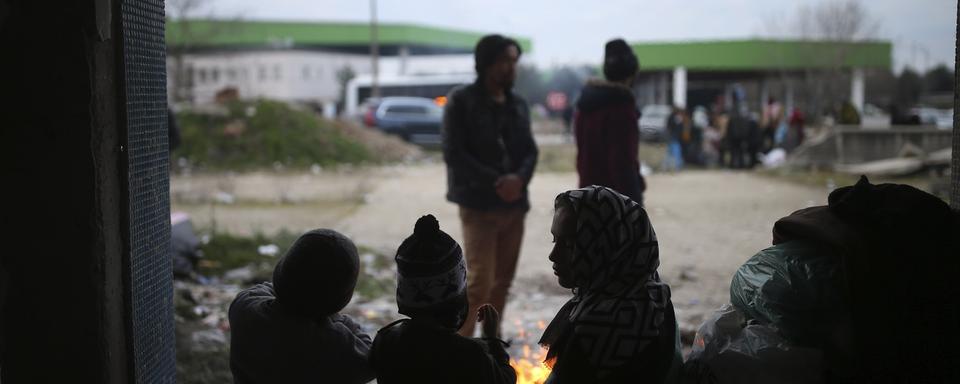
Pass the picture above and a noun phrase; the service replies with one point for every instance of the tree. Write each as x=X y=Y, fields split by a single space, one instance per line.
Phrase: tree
x=909 y=87
x=938 y=80
x=530 y=84
x=182 y=16
x=180 y=11
x=568 y=80
x=838 y=22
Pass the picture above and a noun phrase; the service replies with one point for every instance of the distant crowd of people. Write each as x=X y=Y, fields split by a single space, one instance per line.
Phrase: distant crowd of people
x=730 y=137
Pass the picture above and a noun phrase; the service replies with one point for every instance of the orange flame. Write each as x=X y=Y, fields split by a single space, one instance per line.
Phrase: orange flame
x=530 y=368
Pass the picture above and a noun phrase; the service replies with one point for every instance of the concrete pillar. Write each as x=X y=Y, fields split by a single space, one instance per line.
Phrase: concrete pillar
x=404 y=55
x=955 y=173
x=680 y=87
x=856 y=89
x=352 y=95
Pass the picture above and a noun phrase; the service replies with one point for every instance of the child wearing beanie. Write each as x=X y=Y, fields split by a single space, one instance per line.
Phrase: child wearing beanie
x=431 y=290
x=290 y=331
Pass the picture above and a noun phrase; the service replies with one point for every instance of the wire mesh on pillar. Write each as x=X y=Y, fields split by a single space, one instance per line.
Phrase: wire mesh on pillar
x=151 y=286
x=955 y=169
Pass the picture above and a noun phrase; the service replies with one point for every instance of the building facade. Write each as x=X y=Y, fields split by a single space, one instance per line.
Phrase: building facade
x=305 y=62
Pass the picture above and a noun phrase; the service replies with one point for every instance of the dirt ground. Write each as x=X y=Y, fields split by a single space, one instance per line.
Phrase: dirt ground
x=708 y=222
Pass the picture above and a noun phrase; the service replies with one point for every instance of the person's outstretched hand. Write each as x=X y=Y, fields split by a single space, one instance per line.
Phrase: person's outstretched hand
x=487 y=315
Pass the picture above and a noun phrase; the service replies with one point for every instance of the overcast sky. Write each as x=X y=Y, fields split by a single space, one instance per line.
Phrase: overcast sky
x=573 y=31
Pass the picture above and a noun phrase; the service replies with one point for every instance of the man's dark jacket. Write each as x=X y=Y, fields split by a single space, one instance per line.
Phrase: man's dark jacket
x=483 y=140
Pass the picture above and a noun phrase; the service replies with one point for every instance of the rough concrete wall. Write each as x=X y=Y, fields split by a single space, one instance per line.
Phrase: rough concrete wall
x=855 y=145
x=63 y=317
x=955 y=195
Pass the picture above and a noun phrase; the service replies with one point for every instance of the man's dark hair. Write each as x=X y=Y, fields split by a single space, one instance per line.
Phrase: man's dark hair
x=489 y=49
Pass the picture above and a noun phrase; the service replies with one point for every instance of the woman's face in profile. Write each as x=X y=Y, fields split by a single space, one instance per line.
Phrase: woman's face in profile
x=564 y=230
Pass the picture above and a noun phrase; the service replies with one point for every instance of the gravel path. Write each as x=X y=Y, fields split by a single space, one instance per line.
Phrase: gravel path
x=708 y=222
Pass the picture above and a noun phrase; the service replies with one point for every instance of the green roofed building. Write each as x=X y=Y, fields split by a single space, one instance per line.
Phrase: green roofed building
x=225 y=35
x=695 y=73
x=307 y=61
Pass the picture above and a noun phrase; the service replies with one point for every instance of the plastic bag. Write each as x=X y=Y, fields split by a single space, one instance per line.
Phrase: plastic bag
x=796 y=287
x=728 y=350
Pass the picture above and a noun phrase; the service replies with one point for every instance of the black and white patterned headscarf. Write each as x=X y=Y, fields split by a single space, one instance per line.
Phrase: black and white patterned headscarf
x=619 y=303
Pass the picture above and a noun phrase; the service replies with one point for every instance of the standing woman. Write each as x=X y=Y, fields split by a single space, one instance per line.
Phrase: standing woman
x=620 y=325
x=606 y=126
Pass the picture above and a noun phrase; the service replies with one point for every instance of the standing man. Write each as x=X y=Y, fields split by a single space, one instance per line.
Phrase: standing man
x=490 y=156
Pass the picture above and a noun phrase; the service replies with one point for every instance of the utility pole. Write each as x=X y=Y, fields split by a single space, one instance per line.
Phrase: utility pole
x=374 y=50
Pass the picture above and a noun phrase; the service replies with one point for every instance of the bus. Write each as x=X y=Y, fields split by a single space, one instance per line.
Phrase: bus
x=430 y=86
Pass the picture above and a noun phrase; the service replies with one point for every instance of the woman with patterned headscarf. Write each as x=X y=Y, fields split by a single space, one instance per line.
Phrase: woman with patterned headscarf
x=620 y=326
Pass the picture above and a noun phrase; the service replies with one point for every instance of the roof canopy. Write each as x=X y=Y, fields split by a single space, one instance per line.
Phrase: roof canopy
x=246 y=34
x=763 y=55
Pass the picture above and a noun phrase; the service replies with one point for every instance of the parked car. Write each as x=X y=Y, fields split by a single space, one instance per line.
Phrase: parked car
x=415 y=119
x=941 y=118
x=653 y=122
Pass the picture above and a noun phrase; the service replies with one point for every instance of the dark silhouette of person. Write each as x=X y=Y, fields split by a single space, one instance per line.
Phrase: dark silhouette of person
x=606 y=126
x=431 y=290
x=290 y=331
x=620 y=326
x=741 y=137
x=490 y=154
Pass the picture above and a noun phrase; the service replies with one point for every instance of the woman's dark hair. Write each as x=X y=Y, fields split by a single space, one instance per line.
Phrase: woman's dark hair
x=489 y=49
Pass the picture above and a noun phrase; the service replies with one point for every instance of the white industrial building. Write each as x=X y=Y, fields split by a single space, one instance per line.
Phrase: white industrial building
x=296 y=61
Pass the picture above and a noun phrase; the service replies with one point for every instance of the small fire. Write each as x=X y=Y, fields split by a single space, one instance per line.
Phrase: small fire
x=530 y=368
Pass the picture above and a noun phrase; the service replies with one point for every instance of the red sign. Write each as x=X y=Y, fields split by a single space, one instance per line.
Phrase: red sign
x=556 y=101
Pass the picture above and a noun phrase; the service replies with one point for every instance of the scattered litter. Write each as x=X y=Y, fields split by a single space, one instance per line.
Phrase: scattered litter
x=645 y=170
x=775 y=158
x=270 y=250
x=224 y=197
x=727 y=349
x=239 y=274
x=208 y=339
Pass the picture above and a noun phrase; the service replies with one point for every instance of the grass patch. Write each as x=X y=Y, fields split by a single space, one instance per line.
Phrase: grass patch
x=557 y=158
x=260 y=134
x=225 y=252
